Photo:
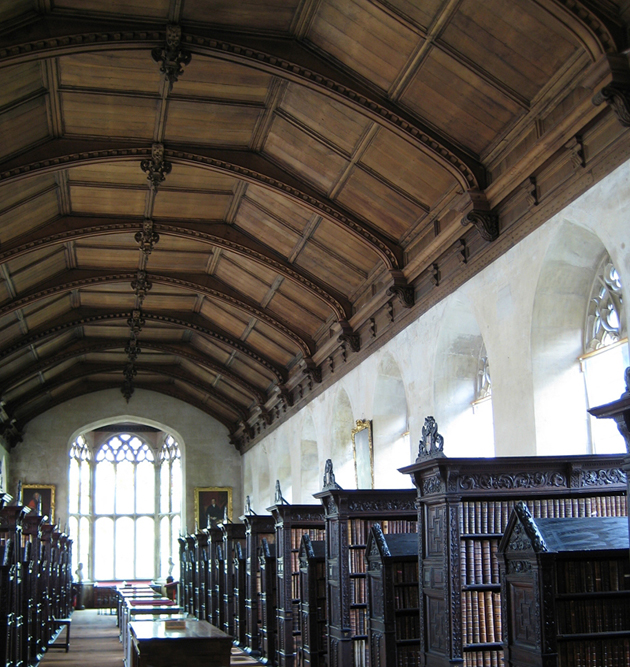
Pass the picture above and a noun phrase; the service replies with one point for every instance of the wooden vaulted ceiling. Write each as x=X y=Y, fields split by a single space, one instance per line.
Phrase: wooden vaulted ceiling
x=267 y=190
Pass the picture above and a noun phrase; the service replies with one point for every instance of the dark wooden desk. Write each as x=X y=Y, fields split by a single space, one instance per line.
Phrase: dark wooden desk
x=199 y=644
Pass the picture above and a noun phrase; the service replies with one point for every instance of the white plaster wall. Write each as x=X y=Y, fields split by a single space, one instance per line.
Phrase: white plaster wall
x=502 y=298
x=208 y=457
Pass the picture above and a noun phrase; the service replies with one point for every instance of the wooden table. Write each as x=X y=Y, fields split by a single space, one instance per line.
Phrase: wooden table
x=197 y=644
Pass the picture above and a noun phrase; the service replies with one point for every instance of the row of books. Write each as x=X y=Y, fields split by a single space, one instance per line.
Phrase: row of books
x=406 y=597
x=483 y=659
x=358 y=590
x=359 y=529
x=592 y=653
x=408 y=627
x=481 y=617
x=593 y=576
x=313 y=533
x=357 y=561
x=407 y=656
x=406 y=573
x=295 y=562
x=493 y=516
x=593 y=615
x=479 y=562
x=360 y=653
x=358 y=621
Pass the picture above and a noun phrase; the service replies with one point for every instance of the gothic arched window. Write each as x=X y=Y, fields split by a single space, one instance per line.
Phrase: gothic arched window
x=124 y=506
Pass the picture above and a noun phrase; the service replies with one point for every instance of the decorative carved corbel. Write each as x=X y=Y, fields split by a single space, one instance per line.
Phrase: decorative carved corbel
x=285 y=395
x=312 y=372
x=265 y=415
x=349 y=337
x=372 y=327
x=576 y=147
x=141 y=285
x=132 y=350
x=157 y=167
x=617 y=96
x=331 y=364
x=147 y=238
x=464 y=251
x=436 y=274
x=172 y=56
x=390 y=312
x=12 y=433
x=401 y=289
x=485 y=221
x=431 y=442
x=532 y=192
x=329 y=477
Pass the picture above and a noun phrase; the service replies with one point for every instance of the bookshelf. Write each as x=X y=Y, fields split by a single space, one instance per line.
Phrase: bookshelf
x=201 y=574
x=233 y=533
x=349 y=516
x=219 y=586
x=240 y=576
x=463 y=510
x=393 y=598
x=311 y=651
x=257 y=528
x=576 y=572
x=268 y=626
x=292 y=522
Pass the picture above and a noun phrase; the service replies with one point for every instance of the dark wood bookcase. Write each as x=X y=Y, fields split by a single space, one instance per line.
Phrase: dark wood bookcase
x=215 y=538
x=312 y=648
x=393 y=598
x=291 y=523
x=201 y=574
x=349 y=517
x=233 y=533
x=576 y=573
x=240 y=584
x=463 y=510
x=268 y=624
x=219 y=585
x=257 y=528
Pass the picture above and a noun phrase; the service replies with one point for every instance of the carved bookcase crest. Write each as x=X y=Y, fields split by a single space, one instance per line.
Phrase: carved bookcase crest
x=431 y=443
x=329 y=477
x=525 y=535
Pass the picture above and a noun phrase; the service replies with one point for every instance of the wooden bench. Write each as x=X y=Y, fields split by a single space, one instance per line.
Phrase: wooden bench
x=62 y=623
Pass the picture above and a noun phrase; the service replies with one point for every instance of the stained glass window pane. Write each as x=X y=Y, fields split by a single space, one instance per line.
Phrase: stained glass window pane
x=124 y=548
x=104 y=483
x=145 y=488
x=124 y=487
x=103 y=548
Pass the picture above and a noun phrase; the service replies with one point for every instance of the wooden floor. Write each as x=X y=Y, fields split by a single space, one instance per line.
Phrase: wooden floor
x=94 y=641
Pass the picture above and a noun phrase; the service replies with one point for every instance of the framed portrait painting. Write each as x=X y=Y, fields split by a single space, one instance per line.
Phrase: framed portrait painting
x=40 y=498
x=211 y=502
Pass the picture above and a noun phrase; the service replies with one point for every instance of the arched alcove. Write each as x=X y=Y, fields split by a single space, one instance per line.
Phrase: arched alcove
x=283 y=471
x=466 y=425
x=310 y=478
x=341 y=444
x=560 y=307
x=390 y=426
x=263 y=497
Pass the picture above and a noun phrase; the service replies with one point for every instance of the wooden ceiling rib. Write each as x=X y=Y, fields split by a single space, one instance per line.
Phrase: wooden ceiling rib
x=308 y=169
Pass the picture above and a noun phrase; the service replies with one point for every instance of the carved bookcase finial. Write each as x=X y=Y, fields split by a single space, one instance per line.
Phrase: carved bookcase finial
x=279 y=499
x=329 y=477
x=530 y=527
x=431 y=442
x=248 y=507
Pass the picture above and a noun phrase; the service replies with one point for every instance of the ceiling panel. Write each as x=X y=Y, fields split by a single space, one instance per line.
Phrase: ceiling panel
x=96 y=258
x=20 y=81
x=271 y=15
x=337 y=122
x=238 y=274
x=44 y=311
x=108 y=115
x=195 y=205
x=23 y=125
x=45 y=268
x=363 y=37
x=107 y=201
x=422 y=13
x=211 y=124
x=303 y=155
x=295 y=215
x=123 y=173
x=152 y=8
x=28 y=215
x=112 y=71
x=186 y=177
x=269 y=347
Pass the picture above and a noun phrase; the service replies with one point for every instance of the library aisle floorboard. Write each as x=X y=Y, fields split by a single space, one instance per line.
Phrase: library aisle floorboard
x=94 y=641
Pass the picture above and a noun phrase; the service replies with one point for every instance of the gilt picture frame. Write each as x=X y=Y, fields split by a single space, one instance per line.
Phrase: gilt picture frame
x=210 y=505
x=33 y=493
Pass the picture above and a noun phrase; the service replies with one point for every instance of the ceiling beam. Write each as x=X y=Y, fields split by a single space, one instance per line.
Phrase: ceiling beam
x=285 y=59
x=247 y=166
x=87 y=387
x=91 y=316
x=219 y=235
x=90 y=346
x=74 y=279
x=82 y=370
